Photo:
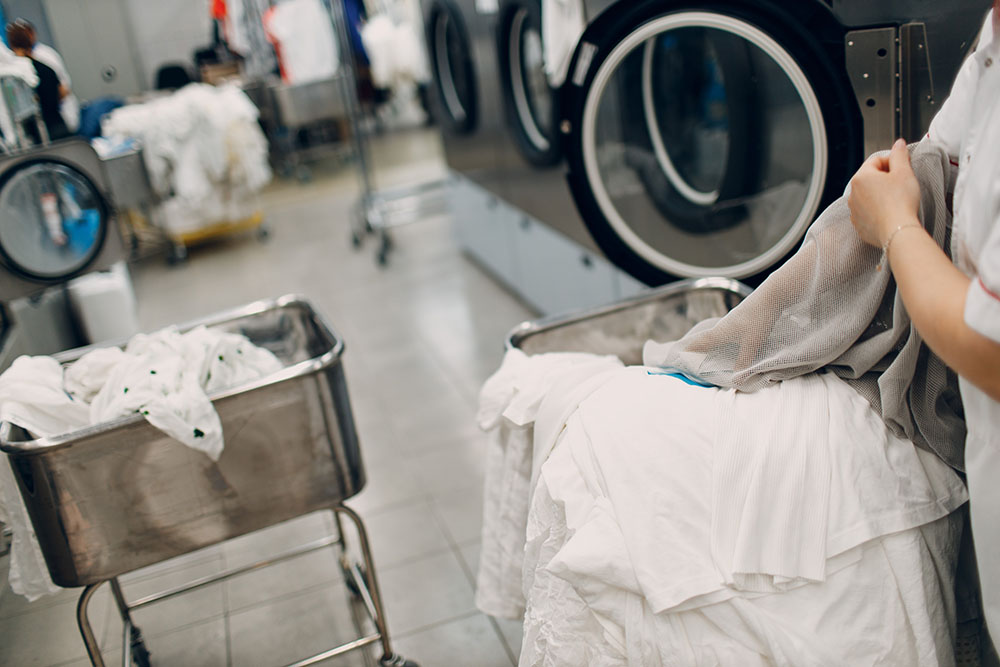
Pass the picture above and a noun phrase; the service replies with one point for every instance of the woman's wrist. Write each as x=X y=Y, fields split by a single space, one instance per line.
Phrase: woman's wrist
x=895 y=224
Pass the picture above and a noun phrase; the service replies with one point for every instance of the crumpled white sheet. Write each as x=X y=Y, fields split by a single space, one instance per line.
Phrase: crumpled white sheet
x=509 y=403
x=652 y=457
x=200 y=143
x=395 y=51
x=563 y=22
x=166 y=376
x=888 y=603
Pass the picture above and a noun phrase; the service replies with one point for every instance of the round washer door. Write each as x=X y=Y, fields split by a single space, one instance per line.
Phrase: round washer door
x=54 y=221
x=705 y=137
x=452 y=68
x=529 y=101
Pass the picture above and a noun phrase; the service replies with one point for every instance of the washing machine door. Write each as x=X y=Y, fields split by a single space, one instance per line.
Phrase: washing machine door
x=529 y=101
x=703 y=138
x=53 y=221
x=454 y=77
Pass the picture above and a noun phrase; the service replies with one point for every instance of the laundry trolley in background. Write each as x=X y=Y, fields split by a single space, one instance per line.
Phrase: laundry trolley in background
x=121 y=495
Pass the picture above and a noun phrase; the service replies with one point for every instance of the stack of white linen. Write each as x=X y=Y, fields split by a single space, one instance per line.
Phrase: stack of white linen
x=675 y=524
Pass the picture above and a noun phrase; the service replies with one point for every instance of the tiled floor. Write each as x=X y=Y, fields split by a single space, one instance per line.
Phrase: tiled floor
x=421 y=336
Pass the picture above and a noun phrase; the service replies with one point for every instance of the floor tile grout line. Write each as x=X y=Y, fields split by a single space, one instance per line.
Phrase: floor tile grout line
x=503 y=640
x=430 y=626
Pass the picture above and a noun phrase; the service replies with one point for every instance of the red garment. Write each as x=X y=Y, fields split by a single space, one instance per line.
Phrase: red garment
x=219 y=10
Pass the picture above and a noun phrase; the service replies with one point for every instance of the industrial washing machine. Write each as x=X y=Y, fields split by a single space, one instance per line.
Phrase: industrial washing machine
x=702 y=138
x=464 y=98
x=530 y=154
x=57 y=224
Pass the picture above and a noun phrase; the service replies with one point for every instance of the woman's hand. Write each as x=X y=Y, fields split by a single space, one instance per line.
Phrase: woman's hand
x=884 y=195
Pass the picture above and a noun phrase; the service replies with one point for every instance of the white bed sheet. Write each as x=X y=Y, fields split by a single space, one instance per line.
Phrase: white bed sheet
x=588 y=588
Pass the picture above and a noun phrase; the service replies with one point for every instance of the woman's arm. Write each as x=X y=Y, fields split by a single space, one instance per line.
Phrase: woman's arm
x=884 y=201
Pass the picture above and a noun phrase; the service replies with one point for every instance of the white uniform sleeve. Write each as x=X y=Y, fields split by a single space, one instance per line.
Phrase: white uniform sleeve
x=982 y=302
x=950 y=122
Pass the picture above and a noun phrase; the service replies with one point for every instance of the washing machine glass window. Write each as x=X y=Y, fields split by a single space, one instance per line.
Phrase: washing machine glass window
x=704 y=145
x=532 y=96
x=452 y=65
x=54 y=220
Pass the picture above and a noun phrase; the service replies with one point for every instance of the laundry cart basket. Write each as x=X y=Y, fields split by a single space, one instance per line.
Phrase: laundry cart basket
x=121 y=495
x=621 y=329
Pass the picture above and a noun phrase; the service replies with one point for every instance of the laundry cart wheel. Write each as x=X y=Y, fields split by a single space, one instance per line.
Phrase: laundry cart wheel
x=140 y=654
x=396 y=660
x=177 y=254
x=347 y=569
x=382 y=257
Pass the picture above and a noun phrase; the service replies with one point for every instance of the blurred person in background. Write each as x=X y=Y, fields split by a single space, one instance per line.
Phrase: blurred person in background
x=50 y=91
x=43 y=53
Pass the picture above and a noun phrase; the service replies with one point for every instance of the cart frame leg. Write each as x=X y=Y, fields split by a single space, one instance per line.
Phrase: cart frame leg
x=83 y=621
x=371 y=582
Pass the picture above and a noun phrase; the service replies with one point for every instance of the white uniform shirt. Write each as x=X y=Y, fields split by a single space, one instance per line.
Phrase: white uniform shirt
x=968 y=126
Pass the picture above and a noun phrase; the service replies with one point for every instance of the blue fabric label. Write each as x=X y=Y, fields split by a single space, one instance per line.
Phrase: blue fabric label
x=680 y=376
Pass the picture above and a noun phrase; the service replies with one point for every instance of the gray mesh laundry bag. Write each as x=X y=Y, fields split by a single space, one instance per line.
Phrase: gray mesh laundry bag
x=834 y=305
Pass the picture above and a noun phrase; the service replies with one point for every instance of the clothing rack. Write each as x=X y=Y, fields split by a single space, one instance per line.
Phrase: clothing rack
x=377 y=210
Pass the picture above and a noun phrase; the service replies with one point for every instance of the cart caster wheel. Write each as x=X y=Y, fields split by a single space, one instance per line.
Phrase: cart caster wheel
x=355 y=240
x=352 y=585
x=303 y=174
x=382 y=257
x=140 y=654
x=396 y=660
x=263 y=233
x=178 y=255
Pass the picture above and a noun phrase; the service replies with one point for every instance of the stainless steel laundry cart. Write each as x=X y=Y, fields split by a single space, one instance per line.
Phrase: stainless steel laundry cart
x=621 y=329
x=666 y=314
x=122 y=495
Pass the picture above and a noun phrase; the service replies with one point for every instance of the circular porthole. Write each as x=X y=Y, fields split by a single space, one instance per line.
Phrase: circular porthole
x=54 y=220
x=452 y=67
x=530 y=102
x=700 y=141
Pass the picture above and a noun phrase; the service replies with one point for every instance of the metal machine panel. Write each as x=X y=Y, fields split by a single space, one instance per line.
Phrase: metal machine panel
x=463 y=96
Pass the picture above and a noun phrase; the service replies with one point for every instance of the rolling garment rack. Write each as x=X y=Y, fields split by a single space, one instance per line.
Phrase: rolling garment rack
x=378 y=210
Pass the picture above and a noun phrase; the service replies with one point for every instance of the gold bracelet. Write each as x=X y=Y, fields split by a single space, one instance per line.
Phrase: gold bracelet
x=888 y=242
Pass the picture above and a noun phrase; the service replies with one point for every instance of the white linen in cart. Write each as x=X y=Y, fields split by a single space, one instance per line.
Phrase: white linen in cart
x=166 y=376
x=509 y=403
x=675 y=498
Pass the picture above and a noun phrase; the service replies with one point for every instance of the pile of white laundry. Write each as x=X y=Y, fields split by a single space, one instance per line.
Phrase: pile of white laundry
x=635 y=517
x=204 y=150
x=398 y=63
x=167 y=377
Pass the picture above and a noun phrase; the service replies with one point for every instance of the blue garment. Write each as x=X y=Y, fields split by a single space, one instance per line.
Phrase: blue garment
x=91 y=114
x=354 y=12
